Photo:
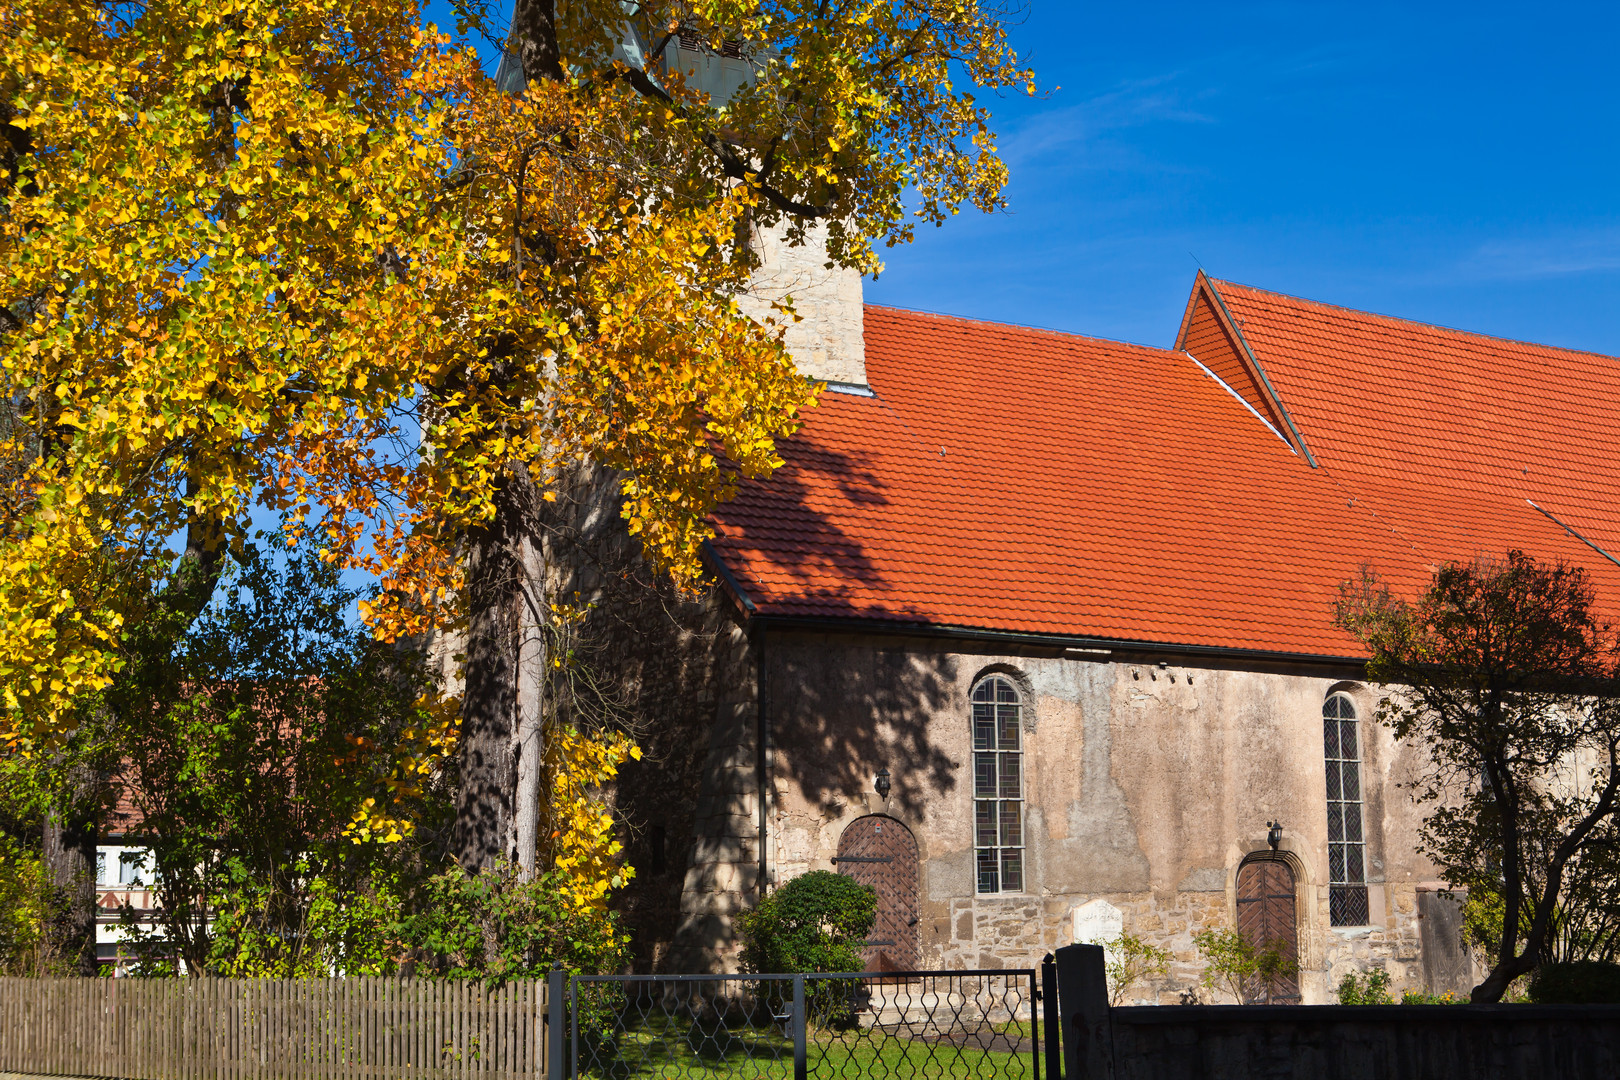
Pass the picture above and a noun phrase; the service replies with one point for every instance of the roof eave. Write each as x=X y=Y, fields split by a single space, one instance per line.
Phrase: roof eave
x=1081 y=642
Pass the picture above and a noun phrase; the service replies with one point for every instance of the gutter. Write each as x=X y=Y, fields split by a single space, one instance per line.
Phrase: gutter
x=1077 y=646
x=762 y=738
x=728 y=579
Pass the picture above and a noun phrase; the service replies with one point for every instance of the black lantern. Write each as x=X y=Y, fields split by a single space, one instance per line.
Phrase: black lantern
x=1274 y=837
x=881 y=782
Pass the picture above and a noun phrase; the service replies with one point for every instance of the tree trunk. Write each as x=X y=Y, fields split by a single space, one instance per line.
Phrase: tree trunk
x=533 y=671
x=70 y=869
x=1501 y=977
x=503 y=700
x=486 y=796
x=534 y=39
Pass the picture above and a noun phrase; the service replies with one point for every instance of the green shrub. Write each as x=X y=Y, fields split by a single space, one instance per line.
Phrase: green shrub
x=816 y=922
x=494 y=926
x=1583 y=982
x=24 y=898
x=1242 y=969
x=1132 y=959
x=1370 y=988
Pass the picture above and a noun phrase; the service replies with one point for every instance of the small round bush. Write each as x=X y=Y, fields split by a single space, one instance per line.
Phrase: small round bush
x=1584 y=982
x=816 y=922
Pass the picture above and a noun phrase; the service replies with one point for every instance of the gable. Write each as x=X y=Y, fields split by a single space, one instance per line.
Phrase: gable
x=1210 y=335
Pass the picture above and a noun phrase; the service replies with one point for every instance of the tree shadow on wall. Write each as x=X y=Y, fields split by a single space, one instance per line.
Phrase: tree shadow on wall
x=841 y=706
x=841 y=709
x=684 y=668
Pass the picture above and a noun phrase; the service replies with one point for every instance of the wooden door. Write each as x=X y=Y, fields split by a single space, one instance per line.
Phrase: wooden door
x=1266 y=914
x=880 y=852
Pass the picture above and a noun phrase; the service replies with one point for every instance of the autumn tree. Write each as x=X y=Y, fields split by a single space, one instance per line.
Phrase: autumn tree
x=1504 y=676
x=306 y=253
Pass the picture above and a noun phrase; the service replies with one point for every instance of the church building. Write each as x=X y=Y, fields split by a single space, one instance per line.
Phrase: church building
x=1034 y=632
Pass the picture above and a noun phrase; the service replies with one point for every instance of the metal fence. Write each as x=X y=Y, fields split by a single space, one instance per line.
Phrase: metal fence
x=233 y=1029
x=932 y=1025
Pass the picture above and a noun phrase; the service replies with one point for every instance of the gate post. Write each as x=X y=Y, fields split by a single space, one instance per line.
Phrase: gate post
x=800 y=1064
x=556 y=1012
x=1053 y=1018
x=1088 y=1036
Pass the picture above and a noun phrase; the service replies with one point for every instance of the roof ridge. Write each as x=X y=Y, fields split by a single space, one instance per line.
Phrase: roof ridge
x=1017 y=326
x=1416 y=322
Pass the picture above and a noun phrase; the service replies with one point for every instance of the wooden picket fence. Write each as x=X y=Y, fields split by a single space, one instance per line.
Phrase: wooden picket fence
x=233 y=1029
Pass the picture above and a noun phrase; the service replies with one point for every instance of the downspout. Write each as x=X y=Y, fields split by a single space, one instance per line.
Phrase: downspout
x=761 y=749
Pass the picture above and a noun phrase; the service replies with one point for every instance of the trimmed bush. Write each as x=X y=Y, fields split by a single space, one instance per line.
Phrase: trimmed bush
x=1586 y=982
x=816 y=922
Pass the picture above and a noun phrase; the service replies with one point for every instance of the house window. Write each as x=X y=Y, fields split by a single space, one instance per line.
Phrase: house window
x=998 y=786
x=1347 y=844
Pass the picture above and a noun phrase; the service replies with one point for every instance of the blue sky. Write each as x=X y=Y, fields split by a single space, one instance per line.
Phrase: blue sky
x=1453 y=163
x=1450 y=163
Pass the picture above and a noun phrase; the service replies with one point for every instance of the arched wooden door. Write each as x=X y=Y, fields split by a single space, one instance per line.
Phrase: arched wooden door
x=880 y=852
x=1266 y=914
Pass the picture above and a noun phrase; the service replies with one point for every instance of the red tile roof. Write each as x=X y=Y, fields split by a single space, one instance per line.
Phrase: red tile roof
x=1022 y=480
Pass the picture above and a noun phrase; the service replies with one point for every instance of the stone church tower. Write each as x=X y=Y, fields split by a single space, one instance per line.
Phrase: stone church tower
x=827 y=343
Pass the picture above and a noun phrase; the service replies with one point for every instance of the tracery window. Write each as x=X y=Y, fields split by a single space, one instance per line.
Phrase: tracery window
x=998 y=785
x=1347 y=844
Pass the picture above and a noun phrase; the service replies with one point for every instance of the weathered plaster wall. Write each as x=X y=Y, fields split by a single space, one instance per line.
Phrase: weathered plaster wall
x=1146 y=787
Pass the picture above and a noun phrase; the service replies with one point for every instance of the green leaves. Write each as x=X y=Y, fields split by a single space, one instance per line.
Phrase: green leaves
x=247 y=749
x=816 y=922
x=1241 y=968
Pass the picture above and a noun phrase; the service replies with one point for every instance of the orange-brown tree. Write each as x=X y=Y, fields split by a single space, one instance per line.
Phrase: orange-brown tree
x=1506 y=678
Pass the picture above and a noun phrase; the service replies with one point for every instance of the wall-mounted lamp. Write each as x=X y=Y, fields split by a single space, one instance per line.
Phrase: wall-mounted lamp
x=881 y=782
x=1274 y=837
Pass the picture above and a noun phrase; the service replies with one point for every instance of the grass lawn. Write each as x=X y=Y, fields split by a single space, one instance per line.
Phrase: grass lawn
x=671 y=1047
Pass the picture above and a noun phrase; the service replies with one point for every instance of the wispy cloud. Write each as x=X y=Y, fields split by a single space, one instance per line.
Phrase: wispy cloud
x=1063 y=133
x=1557 y=254
x=1132 y=104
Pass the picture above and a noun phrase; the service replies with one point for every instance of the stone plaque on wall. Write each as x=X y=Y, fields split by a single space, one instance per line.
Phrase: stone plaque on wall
x=1097 y=922
x=1446 y=963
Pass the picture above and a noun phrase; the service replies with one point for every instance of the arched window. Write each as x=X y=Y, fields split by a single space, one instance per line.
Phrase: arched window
x=998 y=785
x=1347 y=843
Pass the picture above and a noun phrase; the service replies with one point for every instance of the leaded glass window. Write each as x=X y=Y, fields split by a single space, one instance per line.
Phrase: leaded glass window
x=1347 y=843
x=998 y=786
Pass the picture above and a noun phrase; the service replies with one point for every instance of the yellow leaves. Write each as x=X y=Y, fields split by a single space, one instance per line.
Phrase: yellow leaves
x=578 y=823
x=268 y=319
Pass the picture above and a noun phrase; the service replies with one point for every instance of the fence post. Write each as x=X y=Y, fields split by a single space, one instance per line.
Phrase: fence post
x=556 y=1011
x=800 y=1064
x=1088 y=1037
x=1053 y=1018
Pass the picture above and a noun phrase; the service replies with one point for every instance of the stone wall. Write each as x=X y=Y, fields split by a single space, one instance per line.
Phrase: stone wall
x=683 y=677
x=1146 y=786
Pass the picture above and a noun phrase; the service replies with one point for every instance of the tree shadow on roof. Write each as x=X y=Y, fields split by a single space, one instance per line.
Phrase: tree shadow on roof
x=802 y=524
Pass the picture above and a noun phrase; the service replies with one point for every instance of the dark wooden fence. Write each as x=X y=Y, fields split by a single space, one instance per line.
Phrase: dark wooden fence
x=1324 y=1042
x=232 y=1029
